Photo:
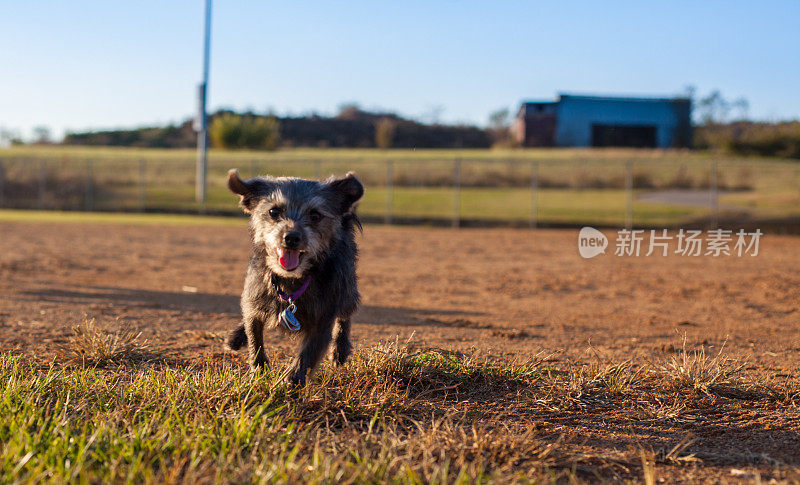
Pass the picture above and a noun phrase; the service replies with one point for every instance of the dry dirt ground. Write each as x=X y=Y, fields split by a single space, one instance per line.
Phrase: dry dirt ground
x=506 y=294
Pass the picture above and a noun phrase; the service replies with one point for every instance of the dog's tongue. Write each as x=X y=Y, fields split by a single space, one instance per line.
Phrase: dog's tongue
x=289 y=258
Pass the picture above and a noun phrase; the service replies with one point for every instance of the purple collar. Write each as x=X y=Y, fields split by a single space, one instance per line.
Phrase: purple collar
x=292 y=297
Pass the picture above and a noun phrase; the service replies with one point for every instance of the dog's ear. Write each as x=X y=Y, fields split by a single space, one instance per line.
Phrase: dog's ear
x=249 y=190
x=348 y=191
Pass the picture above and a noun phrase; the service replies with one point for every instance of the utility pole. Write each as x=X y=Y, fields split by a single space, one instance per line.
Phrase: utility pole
x=202 y=132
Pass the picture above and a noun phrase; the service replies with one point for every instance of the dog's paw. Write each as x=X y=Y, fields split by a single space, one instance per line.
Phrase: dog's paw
x=338 y=358
x=259 y=365
x=339 y=354
x=295 y=380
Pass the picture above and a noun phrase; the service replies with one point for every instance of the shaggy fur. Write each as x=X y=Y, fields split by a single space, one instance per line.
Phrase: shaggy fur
x=318 y=218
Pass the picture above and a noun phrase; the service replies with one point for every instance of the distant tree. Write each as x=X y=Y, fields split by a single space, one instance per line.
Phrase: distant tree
x=261 y=132
x=433 y=114
x=41 y=135
x=715 y=108
x=385 y=129
x=225 y=131
x=349 y=111
x=499 y=118
x=235 y=131
x=689 y=91
x=500 y=128
x=9 y=137
x=742 y=107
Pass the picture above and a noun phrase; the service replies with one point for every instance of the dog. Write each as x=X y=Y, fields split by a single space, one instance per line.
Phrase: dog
x=302 y=273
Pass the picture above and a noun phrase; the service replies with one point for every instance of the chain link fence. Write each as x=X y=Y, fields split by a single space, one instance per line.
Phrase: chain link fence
x=443 y=190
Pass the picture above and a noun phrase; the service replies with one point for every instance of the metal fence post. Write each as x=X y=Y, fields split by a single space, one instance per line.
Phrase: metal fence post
x=89 y=188
x=797 y=178
x=42 y=183
x=389 y=190
x=457 y=192
x=142 y=184
x=713 y=188
x=629 y=195
x=2 y=183
x=534 y=218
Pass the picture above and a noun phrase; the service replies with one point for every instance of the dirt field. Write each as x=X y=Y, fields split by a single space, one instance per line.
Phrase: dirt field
x=506 y=294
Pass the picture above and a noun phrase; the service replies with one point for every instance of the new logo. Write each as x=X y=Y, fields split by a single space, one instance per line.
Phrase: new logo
x=591 y=242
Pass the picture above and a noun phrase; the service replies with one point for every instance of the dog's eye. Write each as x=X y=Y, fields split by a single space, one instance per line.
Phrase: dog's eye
x=314 y=215
x=275 y=212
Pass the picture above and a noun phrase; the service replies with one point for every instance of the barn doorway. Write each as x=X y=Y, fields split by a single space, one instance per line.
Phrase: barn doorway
x=638 y=136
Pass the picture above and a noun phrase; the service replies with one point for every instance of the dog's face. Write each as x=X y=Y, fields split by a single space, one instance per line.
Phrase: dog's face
x=296 y=220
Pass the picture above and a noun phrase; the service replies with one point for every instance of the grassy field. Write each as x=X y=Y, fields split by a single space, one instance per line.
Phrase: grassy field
x=575 y=186
x=336 y=154
x=114 y=413
x=485 y=205
x=72 y=217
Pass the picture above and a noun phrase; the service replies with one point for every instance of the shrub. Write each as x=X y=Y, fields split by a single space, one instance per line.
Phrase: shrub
x=235 y=131
x=749 y=138
x=681 y=180
x=385 y=129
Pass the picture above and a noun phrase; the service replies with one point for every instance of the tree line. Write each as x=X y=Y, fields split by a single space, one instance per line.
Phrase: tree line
x=724 y=126
x=721 y=124
x=352 y=127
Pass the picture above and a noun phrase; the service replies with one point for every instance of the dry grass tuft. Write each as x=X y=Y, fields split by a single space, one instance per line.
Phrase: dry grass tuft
x=394 y=379
x=700 y=372
x=677 y=455
x=615 y=377
x=94 y=345
x=787 y=393
x=665 y=412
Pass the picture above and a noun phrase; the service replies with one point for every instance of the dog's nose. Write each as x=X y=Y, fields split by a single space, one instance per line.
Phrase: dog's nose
x=292 y=240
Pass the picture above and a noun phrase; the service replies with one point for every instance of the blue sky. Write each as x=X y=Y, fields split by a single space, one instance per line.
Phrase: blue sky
x=91 y=64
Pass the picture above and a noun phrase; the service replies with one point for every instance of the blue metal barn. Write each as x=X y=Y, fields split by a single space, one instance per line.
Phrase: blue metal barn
x=602 y=121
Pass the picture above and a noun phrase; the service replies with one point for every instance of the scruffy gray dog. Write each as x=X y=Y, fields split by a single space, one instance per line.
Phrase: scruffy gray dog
x=302 y=274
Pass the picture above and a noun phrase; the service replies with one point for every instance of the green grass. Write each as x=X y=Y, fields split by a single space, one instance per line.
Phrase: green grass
x=392 y=414
x=570 y=206
x=221 y=423
x=495 y=182
x=513 y=204
x=776 y=203
x=10 y=215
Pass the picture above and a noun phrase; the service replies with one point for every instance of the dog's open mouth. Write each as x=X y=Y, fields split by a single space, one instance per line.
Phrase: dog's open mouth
x=289 y=258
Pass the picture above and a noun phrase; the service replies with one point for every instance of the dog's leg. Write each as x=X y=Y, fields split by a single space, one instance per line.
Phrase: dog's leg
x=254 y=328
x=341 y=348
x=312 y=349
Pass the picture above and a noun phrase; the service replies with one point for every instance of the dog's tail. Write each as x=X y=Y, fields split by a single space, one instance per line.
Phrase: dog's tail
x=236 y=338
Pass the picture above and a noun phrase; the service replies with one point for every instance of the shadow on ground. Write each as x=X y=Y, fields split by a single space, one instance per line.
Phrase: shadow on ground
x=228 y=305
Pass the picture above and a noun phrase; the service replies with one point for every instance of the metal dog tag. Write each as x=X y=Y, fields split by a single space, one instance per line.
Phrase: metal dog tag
x=288 y=319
